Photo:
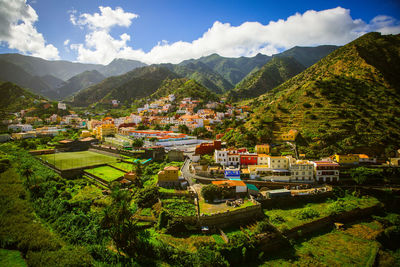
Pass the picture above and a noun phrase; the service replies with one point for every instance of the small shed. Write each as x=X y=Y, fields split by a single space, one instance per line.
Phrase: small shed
x=252 y=189
x=278 y=193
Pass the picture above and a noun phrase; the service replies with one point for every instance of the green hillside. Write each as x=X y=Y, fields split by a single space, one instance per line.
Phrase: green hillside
x=307 y=56
x=347 y=102
x=232 y=69
x=14 y=98
x=182 y=88
x=203 y=74
x=272 y=74
x=79 y=82
x=136 y=84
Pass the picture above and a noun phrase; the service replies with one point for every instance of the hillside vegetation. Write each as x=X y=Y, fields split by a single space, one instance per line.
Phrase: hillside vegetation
x=182 y=88
x=136 y=84
x=272 y=74
x=347 y=102
x=14 y=98
x=203 y=74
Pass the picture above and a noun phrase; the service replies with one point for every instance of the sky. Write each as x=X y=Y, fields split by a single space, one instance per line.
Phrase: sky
x=94 y=31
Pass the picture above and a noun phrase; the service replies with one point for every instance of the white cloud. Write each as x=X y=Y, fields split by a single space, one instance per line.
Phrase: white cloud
x=107 y=19
x=332 y=26
x=66 y=42
x=17 y=30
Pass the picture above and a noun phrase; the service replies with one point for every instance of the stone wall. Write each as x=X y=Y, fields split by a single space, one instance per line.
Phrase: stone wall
x=288 y=201
x=236 y=217
x=325 y=222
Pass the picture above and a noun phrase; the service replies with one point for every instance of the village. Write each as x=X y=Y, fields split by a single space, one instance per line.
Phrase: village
x=226 y=185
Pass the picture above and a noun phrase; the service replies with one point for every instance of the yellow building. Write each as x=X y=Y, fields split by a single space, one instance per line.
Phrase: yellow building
x=347 y=159
x=169 y=176
x=85 y=134
x=262 y=149
x=104 y=130
x=290 y=136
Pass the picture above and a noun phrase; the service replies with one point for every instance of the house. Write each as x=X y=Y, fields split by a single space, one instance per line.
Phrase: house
x=208 y=148
x=256 y=171
x=85 y=133
x=301 y=171
x=24 y=135
x=262 y=149
x=175 y=155
x=347 y=159
x=131 y=176
x=20 y=127
x=290 y=136
x=363 y=158
x=61 y=106
x=278 y=162
x=169 y=176
x=239 y=186
x=248 y=159
x=104 y=130
x=262 y=159
x=326 y=171
x=232 y=173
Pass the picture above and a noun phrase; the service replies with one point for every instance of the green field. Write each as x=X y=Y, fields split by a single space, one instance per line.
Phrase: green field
x=287 y=218
x=72 y=160
x=106 y=173
x=11 y=258
x=352 y=247
x=123 y=166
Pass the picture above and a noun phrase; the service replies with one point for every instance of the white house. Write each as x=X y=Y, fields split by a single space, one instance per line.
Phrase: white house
x=20 y=127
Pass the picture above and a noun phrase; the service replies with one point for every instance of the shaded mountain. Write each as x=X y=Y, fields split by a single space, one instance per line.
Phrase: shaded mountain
x=120 y=66
x=40 y=67
x=347 y=102
x=272 y=74
x=203 y=74
x=182 y=88
x=232 y=69
x=139 y=83
x=13 y=73
x=307 y=56
x=79 y=82
x=14 y=98
x=51 y=81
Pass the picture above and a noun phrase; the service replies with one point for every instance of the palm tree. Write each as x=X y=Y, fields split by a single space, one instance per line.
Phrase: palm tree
x=27 y=173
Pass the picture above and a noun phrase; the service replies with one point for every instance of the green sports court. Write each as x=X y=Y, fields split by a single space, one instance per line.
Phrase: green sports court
x=73 y=160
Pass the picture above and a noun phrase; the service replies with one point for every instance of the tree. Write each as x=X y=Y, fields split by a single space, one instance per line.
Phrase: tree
x=210 y=192
x=138 y=142
x=183 y=129
x=362 y=174
x=120 y=225
x=27 y=173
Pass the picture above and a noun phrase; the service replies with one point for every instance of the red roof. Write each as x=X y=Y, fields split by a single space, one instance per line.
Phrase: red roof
x=171 y=168
x=229 y=183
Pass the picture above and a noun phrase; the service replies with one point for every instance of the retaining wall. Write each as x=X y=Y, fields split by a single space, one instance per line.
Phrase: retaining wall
x=236 y=217
x=288 y=201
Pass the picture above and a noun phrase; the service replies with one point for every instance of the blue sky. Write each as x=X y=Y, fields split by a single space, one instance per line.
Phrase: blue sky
x=69 y=29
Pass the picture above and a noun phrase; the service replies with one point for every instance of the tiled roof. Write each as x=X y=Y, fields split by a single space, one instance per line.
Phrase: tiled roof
x=229 y=183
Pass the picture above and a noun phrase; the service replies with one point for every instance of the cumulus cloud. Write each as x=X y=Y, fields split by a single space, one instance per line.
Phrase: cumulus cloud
x=332 y=26
x=17 y=30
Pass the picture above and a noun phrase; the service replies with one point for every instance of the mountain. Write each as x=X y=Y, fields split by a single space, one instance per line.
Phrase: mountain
x=13 y=73
x=182 y=88
x=307 y=56
x=120 y=66
x=272 y=74
x=40 y=67
x=14 y=98
x=65 y=70
x=347 y=102
x=139 y=83
x=232 y=69
x=52 y=81
x=79 y=82
x=203 y=74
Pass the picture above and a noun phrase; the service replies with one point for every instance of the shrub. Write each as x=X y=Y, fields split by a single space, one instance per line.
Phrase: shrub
x=307 y=213
x=263 y=227
x=147 y=197
x=210 y=192
x=277 y=219
x=307 y=105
